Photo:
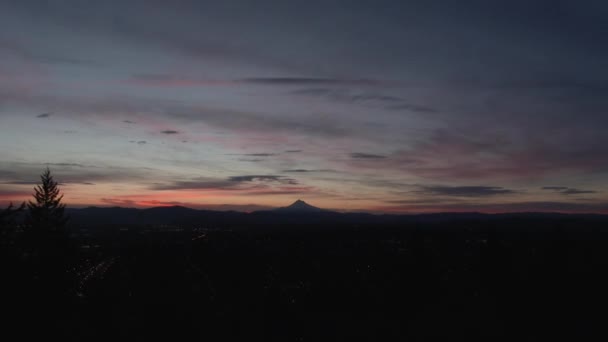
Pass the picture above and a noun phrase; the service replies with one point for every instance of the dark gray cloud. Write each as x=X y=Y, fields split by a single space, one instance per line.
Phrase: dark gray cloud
x=20 y=182
x=154 y=77
x=412 y=108
x=361 y=155
x=67 y=164
x=69 y=173
x=128 y=121
x=465 y=191
x=282 y=191
x=17 y=49
x=197 y=184
x=307 y=170
x=44 y=115
x=169 y=131
x=568 y=191
x=242 y=183
x=256 y=122
x=138 y=142
x=263 y=178
x=252 y=160
x=293 y=151
x=468 y=154
x=578 y=192
x=259 y=154
x=11 y=193
x=540 y=206
x=364 y=98
x=304 y=81
x=556 y=188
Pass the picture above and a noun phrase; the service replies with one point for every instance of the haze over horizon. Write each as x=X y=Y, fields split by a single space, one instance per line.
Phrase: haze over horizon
x=383 y=106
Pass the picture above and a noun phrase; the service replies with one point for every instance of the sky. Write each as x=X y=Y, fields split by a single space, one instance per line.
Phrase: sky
x=379 y=106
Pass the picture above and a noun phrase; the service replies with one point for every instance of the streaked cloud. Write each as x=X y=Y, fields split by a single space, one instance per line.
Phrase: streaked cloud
x=361 y=155
x=465 y=191
x=568 y=191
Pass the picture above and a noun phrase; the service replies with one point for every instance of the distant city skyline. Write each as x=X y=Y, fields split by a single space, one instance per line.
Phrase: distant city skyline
x=379 y=106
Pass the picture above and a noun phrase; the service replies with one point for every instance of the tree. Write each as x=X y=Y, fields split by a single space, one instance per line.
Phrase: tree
x=48 y=251
x=7 y=218
x=46 y=212
x=7 y=215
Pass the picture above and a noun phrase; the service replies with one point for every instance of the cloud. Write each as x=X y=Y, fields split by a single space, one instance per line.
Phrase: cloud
x=67 y=164
x=253 y=160
x=44 y=115
x=303 y=81
x=254 y=122
x=197 y=184
x=412 y=108
x=466 y=191
x=259 y=154
x=128 y=121
x=23 y=52
x=263 y=178
x=169 y=131
x=578 y=192
x=557 y=188
x=138 y=142
x=562 y=207
x=167 y=80
x=568 y=191
x=455 y=155
x=20 y=182
x=293 y=151
x=307 y=170
x=240 y=183
x=360 y=155
x=176 y=112
x=69 y=173
x=367 y=99
x=281 y=191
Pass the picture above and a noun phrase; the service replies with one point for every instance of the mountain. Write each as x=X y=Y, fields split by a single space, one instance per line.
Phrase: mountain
x=300 y=206
x=299 y=213
x=157 y=215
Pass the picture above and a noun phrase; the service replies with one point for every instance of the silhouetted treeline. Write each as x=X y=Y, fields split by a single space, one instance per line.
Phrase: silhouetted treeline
x=530 y=279
x=38 y=261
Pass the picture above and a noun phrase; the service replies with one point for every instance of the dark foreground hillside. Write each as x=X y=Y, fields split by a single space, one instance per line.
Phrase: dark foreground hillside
x=524 y=279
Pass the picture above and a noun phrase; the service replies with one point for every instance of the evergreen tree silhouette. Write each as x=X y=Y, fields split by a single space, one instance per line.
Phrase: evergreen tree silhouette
x=49 y=252
x=7 y=215
x=7 y=218
x=46 y=212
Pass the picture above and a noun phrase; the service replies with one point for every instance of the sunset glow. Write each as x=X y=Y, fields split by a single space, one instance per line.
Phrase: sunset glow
x=245 y=107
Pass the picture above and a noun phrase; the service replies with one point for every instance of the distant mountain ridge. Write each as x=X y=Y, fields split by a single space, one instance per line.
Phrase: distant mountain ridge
x=298 y=213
